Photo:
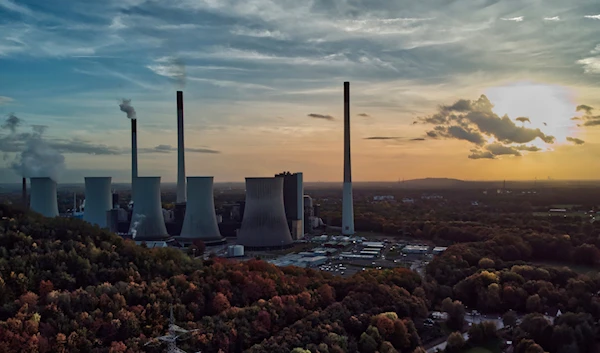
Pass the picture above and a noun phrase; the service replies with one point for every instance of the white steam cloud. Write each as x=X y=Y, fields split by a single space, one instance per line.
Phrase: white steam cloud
x=127 y=108
x=38 y=158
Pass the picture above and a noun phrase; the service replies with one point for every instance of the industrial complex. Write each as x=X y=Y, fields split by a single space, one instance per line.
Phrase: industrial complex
x=275 y=215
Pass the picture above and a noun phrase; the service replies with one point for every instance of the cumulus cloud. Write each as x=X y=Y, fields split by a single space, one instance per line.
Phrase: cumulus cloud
x=321 y=116
x=590 y=65
x=11 y=123
x=474 y=121
x=588 y=118
x=476 y=154
x=498 y=149
x=575 y=140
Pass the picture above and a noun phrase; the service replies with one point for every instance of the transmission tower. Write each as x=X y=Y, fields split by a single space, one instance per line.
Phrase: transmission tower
x=174 y=333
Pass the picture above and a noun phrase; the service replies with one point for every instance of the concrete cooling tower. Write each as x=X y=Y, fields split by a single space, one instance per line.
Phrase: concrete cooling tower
x=264 y=224
x=200 y=220
x=147 y=221
x=98 y=200
x=43 y=197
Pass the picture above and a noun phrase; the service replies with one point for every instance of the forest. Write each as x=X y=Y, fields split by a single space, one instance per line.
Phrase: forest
x=66 y=286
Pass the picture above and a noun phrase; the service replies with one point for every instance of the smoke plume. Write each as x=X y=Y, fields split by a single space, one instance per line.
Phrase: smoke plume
x=127 y=108
x=38 y=158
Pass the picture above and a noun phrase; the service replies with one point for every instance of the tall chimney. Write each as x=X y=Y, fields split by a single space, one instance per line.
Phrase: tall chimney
x=24 y=193
x=134 y=163
x=180 y=150
x=347 y=202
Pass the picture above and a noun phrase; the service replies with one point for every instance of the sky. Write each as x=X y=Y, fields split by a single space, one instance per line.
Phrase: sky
x=468 y=89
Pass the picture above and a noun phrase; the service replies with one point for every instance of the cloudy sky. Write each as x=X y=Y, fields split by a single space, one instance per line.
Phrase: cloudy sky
x=471 y=89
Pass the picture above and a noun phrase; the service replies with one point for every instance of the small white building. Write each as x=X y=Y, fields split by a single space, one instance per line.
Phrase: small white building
x=235 y=251
x=439 y=249
x=415 y=249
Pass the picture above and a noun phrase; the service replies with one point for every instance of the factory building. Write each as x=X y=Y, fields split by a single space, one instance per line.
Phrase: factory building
x=98 y=200
x=293 y=200
x=43 y=197
x=264 y=224
x=415 y=249
x=147 y=221
x=200 y=220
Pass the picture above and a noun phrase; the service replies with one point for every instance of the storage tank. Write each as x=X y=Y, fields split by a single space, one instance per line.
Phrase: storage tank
x=98 y=200
x=147 y=221
x=43 y=196
x=235 y=251
x=200 y=220
x=264 y=224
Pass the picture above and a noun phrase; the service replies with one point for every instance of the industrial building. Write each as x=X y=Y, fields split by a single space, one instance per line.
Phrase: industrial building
x=264 y=224
x=200 y=220
x=98 y=200
x=147 y=221
x=235 y=251
x=43 y=197
x=293 y=200
x=415 y=249
x=439 y=249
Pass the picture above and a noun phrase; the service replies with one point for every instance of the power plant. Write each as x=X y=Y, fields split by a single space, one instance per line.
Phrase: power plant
x=98 y=200
x=347 y=200
x=200 y=220
x=43 y=197
x=264 y=224
x=273 y=215
x=147 y=221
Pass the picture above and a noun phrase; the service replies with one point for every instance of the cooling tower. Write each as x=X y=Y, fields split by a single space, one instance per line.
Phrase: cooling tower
x=200 y=220
x=264 y=223
x=98 y=200
x=347 y=202
x=180 y=150
x=43 y=197
x=147 y=221
x=134 y=162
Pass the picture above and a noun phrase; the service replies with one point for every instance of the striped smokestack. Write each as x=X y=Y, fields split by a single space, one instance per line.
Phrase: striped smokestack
x=180 y=150
x=347 y=202
x=134 y=162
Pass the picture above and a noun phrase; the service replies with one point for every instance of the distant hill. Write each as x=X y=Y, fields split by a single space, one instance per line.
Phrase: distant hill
x=434 y=183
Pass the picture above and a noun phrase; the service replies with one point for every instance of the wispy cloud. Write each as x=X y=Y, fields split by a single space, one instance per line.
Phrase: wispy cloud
x=11 y=6
x=575 y=140
x=382 y=138
x=169 y=149
x=555 y=18
x=321 y=116
x=514 y=19
x=593 y=17
x=364 y=115
x=258 y=33
x=5 y=100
